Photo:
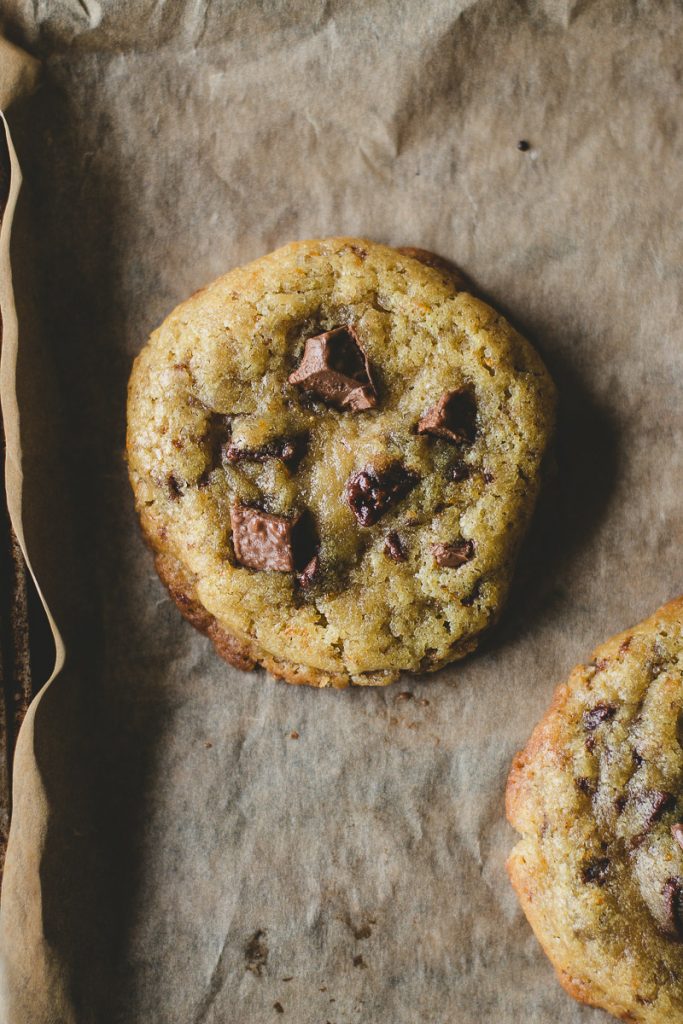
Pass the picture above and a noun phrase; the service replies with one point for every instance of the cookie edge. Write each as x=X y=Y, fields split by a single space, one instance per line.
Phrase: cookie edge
x=547 y=735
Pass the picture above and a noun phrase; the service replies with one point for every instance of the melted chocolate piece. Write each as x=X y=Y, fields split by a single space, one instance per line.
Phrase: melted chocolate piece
x=335 y=368
x=174 y=489
x=263 y=541
x=595 y=871
x=469 y=600
x=586 y=786
x=460 y=471
x=452 y=556
x=597 y=715
x=653 y=803
x=371 y=491
x=393 y=547
x=453 y=417
x=216 y=436
x=286 y=449
x=673 y=907
x=677 y=833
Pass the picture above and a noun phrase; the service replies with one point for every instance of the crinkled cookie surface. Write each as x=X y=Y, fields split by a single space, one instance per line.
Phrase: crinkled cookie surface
x=598 y=798
x=335 y=452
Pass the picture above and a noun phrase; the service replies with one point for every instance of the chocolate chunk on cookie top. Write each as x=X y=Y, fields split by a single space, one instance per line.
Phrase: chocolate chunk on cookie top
x=373 y=490
x=335 y=453
x=452 y=556
x=453 y=417
x=599 y=868
x=262 y=541
x=335 y=368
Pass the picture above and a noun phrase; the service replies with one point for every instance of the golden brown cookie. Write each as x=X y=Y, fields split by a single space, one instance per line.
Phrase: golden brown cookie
x=335 y=452
x=598 y=798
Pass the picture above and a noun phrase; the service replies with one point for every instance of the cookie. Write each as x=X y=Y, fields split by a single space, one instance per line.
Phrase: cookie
x=335 y=452
x=598 y=798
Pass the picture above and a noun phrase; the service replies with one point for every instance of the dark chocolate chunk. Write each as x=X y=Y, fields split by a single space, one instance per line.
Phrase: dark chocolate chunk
x=308 y=573
x=452 y=556
x=597 y=715
x=460 y=471
x=653 y=803
x=261 y=540
x=673 y=907
x=174 y=488
x=523 y=145
x=595 y=871
x=216 y=436
x=677 y=833
x=371 y=491
x=393 y=547
x=335 y=368
x=453 y=417
x=474 y=593
x=288 y=450
x=586 y=786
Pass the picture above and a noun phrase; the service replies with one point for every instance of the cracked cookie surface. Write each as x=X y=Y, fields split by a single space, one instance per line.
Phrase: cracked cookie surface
x=310 y=433
x=598 y=798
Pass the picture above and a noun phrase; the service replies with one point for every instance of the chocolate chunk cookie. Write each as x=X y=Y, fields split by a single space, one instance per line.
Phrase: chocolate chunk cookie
x=598 y=798
x=335 y=452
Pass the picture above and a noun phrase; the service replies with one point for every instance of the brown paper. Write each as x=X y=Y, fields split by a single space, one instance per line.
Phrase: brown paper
x=176 y=854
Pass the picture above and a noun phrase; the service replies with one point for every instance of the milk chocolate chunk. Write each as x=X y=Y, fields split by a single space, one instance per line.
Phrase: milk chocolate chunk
x=673 y=907
x=372 y=490
x=262 y=540
x=453 y=417
x=287 y=450
x=452 y=556
x=309 y=572
x=335 y=368
x=393 y=547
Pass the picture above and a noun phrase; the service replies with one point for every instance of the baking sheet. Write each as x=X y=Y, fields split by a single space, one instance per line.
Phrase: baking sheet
x=176 y=854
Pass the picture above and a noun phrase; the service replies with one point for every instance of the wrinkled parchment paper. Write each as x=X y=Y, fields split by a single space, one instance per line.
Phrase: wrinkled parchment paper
x=177 y=855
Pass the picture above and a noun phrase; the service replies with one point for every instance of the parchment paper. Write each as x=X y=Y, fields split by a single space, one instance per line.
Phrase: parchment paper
x=176 y=855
